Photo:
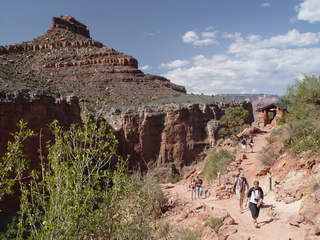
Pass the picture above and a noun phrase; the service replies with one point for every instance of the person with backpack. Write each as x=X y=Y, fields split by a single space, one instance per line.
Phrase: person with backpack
x=241 y=187
x=243 y=142
x=255 y=197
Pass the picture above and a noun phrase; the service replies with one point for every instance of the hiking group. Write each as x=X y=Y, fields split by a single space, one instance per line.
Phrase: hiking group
x=243 y=142
x=254 y=196
x=196 y=187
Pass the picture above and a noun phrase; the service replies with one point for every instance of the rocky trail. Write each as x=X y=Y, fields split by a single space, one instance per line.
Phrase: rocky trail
x=272 y=220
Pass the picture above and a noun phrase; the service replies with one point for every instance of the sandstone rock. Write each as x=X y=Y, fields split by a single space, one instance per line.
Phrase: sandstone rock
x=311 y=213
x=199 y=206
x=295 y=220
x=228 y=221
x=225 y=231
x=263 y=170
x=315 y=230
x=316 y=168
x=288 y=200
x=209 y=234
x=202 y=218
x=187 y=175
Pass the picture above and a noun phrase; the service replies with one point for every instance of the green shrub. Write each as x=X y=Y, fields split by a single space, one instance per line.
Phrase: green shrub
x=214 y=223
x=76 y=194
x=267 y=156
x=302 y=132
x=174 y=178
x=217 y=162
x=188 y=234
x=162 y=230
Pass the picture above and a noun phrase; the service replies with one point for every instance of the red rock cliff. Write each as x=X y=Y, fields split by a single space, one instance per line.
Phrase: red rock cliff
x=174 y=133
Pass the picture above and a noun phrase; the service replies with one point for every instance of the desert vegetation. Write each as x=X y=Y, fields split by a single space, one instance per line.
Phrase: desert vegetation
x=301 y=125
x=83 y=189
x=217 y=162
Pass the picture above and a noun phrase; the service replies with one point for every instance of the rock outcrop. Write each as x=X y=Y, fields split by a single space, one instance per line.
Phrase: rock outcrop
x=70 y=24
x=170 y=134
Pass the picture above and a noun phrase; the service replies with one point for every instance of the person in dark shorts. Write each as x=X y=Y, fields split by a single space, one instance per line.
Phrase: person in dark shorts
x=255 y=197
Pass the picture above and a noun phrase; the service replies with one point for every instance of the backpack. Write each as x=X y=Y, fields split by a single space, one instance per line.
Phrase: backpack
x=243 y=141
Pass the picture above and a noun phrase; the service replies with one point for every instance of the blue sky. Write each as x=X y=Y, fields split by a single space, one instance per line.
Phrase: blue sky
x=208 y=46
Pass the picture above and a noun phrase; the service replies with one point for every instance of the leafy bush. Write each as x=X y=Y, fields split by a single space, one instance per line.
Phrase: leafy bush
x=302 y=123
x=78 y=194
x=214 y=223
x=188 y=234
x=267 y=156
x=162 y=230
x=173 y=178
x=217 y=162
x=233 y=121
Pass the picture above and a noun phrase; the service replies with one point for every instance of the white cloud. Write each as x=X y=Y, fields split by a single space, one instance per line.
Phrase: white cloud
x=147 y=34
x=293 y=38
x=249 y=63
x=208 y=37
x=175 y=64
x=266 y=4
x=309 y=10
x=145 y=67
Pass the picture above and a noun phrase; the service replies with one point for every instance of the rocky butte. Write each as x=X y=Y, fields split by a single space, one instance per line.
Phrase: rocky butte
x=57 y=74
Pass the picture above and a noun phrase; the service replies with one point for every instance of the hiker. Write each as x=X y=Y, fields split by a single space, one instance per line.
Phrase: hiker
x=243 y=142
x=255 y=197
x=193 y=188
x=251 y=144
x=199 y=186
x=241 y=187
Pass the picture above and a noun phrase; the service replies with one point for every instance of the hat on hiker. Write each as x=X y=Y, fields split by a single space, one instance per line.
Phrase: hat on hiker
x=241 y=175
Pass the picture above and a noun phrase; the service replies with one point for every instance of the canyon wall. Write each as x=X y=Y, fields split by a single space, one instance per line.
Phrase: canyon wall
x=38 y=111
x=171 y=134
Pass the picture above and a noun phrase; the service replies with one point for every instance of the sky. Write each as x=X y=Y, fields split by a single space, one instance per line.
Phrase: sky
x=209 y=46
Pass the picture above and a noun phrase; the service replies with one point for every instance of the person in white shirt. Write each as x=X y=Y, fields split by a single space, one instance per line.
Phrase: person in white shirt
x=241 y=187
x=255 y=197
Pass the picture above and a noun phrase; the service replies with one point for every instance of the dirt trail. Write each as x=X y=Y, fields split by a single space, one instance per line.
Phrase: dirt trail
x=273 y=222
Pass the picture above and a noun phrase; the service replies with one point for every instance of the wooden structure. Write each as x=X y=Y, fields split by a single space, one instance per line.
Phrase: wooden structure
x=270 y=113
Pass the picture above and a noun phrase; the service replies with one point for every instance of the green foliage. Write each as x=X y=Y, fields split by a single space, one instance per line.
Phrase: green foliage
x=214 y=223
x=78 y=195
x=267 y=156
x=233 y=119
x=218 y=162
x=162 y=230
x=188 y=234
x=14 y=162
x=302 y=123
x=303 y=91
x=173 y=178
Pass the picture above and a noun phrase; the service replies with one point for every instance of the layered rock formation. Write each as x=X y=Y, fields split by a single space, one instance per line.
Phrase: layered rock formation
x=175 y=133
x=70 y=24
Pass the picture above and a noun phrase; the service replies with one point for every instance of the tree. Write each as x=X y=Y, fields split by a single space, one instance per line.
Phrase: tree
x=232 y=120
x=78 y=195
x=301 y=125
x=303 y=91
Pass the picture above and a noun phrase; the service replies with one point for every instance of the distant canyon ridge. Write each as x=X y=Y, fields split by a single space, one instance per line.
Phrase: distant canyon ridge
x=56 y=75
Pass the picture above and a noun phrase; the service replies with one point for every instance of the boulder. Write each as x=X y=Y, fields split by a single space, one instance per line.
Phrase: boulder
x=288 y=200
x=225 y=231
x=263 y=170
x=295 y=220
